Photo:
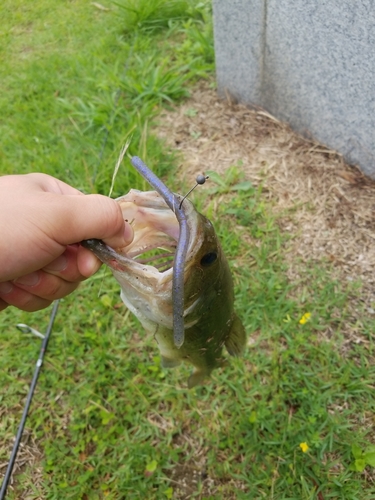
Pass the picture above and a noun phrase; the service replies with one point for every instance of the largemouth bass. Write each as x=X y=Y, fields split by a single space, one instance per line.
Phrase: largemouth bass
x=208 y=318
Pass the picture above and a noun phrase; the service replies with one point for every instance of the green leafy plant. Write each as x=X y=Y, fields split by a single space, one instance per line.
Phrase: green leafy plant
x=232 y=180
x=156 y=81
x=362 y=458
x=152 y=15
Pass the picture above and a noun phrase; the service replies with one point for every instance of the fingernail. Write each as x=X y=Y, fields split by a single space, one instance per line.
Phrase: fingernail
x=28 y=280
x=58 y=264
x=6 y=287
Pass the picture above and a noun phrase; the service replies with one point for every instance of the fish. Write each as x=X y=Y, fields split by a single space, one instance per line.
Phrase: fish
x=146 y=272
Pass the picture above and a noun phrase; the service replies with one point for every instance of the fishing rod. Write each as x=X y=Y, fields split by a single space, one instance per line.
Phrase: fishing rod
x=38 y=366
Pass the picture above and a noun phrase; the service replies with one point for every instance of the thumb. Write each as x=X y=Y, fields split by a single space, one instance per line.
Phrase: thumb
x=92 y=216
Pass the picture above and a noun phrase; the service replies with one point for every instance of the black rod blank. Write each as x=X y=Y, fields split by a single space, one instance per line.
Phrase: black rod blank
x=21 y=427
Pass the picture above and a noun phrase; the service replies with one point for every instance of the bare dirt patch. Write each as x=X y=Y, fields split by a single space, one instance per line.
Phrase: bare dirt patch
x=192 y=473
x=332 y=202
x=29 y=458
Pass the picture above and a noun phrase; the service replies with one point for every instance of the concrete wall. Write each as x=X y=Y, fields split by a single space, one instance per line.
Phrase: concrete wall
x=308 y=62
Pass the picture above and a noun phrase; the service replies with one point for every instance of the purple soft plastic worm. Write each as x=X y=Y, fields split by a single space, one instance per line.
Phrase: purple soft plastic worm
x=182 y=246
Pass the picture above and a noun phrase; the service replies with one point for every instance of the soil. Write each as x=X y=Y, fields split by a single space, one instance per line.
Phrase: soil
x=332 y=202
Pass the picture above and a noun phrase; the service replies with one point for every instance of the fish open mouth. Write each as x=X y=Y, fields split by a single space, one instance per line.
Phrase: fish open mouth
x=160 y=258
x=169 y=222
x=156 y=234
x=149 y=262
x=156 y=230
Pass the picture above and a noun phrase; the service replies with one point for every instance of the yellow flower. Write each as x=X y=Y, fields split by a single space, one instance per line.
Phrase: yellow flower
x=305 y=318
x=304 y=447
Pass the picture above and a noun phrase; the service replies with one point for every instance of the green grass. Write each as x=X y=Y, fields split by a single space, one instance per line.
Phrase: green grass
x=71 y=74
x=108 y=421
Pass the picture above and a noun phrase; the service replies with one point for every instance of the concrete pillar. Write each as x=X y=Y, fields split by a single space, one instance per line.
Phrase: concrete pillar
x=308 y=62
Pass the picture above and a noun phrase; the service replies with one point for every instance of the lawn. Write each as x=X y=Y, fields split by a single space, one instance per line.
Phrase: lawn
x=293 y=418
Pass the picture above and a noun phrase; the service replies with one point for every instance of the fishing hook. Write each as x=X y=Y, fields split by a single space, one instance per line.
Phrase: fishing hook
x=200 y=179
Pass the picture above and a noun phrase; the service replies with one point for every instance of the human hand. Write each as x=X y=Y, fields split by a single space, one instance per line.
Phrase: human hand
x=42 y=221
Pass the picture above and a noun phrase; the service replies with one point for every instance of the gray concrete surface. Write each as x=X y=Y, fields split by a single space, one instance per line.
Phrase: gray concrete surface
x=308 y=62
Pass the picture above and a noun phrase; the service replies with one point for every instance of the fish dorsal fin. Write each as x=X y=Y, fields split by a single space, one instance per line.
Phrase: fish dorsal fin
x=236 y=340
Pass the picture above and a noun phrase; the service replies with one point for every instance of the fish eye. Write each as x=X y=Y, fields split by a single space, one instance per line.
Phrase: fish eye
x=208 y=259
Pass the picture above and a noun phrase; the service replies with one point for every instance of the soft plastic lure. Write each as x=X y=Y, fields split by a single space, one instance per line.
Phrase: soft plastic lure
x=177 y=207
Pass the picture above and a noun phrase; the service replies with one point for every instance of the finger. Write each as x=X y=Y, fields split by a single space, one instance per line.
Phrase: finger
x=87 y=263
x=117 y=234
x=45 y=285
x=3 y=305
x=74 y=265
x=92 y=216
x=68 y=265
x=23 y=300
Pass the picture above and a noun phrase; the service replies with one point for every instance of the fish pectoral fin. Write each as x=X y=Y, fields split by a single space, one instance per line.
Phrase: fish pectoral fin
x=236 y=340
x=169 y=362
x=197 y=378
